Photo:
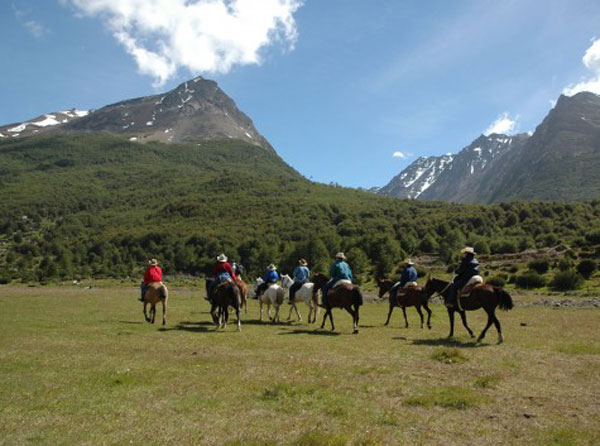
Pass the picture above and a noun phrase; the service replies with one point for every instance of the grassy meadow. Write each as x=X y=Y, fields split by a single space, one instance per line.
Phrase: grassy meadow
x=80 y=366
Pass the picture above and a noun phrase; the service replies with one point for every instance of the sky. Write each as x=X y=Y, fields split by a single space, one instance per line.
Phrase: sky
x=347 y=91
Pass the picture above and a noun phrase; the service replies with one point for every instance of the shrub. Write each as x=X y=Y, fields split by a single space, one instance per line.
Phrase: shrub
x=530 y=279
x=564 y=264
x=566 y=280
x=513 y=269
x=539 y=266
x=497 y=281
x=586 y=268
x=503 y=247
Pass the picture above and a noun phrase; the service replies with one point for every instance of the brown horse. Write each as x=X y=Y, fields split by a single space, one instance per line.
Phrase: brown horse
x=346 y=296
x=243 y=293
x=226 y=294
x=155 y=292
x=483 y=296
x=406 y=297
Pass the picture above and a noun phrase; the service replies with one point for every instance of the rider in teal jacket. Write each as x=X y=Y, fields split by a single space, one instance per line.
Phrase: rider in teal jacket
x=340 y=270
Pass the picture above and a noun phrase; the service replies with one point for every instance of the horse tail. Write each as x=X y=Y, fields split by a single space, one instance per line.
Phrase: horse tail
x=358 y=297
x=163 y=292
x=504 y=300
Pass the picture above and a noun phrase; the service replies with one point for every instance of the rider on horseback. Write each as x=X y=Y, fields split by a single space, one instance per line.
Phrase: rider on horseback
x=270 y=278
x=153 y=274
x=301 y=276
x=408 y=278
x=469 y=267
x=340 y=270
x=221 y=272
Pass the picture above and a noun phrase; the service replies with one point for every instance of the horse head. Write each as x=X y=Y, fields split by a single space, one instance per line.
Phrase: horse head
x=286 y=281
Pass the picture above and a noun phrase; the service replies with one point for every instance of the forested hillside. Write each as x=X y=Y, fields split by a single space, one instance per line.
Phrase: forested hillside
x=99 y=206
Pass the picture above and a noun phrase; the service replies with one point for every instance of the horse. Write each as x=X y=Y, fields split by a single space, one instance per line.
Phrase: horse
x=483 y=296
x=155 y=292
x=305 y=294
x=272 y=296
x=243 y=292
x=406 y=297
x=346 y=296
x=226 y=294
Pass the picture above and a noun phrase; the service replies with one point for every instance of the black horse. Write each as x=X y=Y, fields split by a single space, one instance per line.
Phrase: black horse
x=224 y=295
x=483 y=296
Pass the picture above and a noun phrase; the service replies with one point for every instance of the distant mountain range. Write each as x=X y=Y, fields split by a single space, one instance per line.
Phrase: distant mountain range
x=195 y=110
x=558 y=162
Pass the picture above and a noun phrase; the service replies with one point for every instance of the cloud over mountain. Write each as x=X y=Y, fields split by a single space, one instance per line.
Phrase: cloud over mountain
x=591 y=60
x=202 y=36
x=503 y=125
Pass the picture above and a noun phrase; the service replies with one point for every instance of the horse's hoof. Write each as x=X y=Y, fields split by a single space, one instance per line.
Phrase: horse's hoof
x=429 y=327
x=355 y=332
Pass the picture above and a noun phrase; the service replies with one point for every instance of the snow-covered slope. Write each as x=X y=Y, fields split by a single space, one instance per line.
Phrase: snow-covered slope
x=41 y=123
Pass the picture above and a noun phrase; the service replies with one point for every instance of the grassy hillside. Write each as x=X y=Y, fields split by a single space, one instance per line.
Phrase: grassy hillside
x=99 y=206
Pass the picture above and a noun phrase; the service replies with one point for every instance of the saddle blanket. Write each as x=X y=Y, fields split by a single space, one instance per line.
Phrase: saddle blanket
x=341 y=282
x=472 y=283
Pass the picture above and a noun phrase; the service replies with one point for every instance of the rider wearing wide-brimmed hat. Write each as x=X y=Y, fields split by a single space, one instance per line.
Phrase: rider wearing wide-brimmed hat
x=153 y=274
x=469 y=267
x=340 y=270
x=408 y=278
x=221 y=272
x=271 y=277
x=301 y=275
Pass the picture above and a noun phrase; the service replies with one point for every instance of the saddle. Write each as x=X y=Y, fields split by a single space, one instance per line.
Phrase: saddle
x=473 y=282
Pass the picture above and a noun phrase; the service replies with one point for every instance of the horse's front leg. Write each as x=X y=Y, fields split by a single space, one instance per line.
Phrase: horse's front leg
x=356 y=320
x=327 y=310
x=164 y=305
x=390 y=312
x=297 y=312
x=463 y=317
x=418 y=307
x=276 y=317
x=331 y=319
x=428 y=315
x=451 y=317
x=145 y=312
x=153 y=312
x=290 y=315
x=261 y=311
x=485 y=329
x=405 y=318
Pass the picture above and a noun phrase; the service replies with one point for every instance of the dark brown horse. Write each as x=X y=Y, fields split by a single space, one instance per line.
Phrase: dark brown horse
x=483 y=296
x=406 y=297
x=346 y=296
x=225 y=295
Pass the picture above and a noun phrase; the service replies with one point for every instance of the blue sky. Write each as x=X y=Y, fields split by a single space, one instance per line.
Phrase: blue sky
x=338 y=87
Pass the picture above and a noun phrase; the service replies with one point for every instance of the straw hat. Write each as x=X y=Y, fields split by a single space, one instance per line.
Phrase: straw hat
x=222 y=258
x=302 y=262
x=153 y=262
x=467 y=250
x=340 y=255
x=409 y=262
x=271 y=267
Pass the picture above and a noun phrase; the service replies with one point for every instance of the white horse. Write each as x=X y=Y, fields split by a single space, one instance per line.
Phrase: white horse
x=273 y=295
x=305 y=294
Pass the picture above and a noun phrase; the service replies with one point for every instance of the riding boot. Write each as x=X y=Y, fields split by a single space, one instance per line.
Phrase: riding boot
x=143 y=291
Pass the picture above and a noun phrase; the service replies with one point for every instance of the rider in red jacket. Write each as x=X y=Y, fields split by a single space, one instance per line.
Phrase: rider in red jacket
x=152 y=274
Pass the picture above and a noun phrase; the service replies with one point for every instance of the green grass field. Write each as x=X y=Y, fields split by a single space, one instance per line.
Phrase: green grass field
x=80 y=366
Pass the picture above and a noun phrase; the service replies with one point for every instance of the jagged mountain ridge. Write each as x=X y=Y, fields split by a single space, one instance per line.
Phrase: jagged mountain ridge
x=195 y=110
x=559 y=161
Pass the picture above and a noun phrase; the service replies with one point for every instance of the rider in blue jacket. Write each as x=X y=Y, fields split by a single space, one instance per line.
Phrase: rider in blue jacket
x=270 y=278
x=301 y=276
x=408 y=278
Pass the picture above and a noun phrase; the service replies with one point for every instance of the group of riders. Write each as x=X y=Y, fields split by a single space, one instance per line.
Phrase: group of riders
x=228 y=270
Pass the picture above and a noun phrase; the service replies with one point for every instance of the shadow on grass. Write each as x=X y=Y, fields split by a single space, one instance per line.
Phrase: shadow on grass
x=132 y=322
x=316 y=332
x=447 y=342
x=194 y=327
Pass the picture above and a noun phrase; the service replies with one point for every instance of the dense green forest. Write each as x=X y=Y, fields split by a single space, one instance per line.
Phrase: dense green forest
x=99 y=206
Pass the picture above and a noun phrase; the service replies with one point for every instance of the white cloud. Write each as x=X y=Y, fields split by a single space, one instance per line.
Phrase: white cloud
x=503 y=125
x=36 y=29
x=591 y=60
x=203 y=36
x=401 y=155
